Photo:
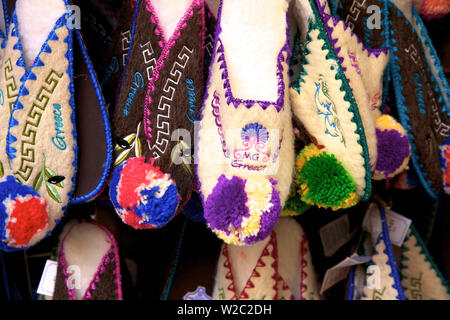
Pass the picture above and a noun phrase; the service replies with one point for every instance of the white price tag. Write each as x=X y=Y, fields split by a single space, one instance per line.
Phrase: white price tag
x=48 y=279
x=335 y=234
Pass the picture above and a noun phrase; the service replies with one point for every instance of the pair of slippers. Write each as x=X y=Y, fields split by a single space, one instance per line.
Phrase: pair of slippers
x=422 y=94
x=412 y=276
x=55 y=141
x=157 y=85
x=277 y=268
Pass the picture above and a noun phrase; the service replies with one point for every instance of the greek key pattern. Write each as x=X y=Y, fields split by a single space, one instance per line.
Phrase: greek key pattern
x=149 y=58
x=416 y=287
x=11 y=87
x=209 y=43
x=126 y=39
x=164 y=105
x=33 y=120
x=439 y=127
x=355 y=11
x=378 y=294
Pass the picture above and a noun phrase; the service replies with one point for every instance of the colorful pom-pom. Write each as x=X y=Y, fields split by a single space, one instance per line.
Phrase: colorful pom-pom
x=323 y=181
x=243 y=211
x=24 y=215
x=435 y=9
x=144 y=196
x=393 y=148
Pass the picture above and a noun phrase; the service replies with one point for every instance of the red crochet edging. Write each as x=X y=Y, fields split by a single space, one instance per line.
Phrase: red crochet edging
x=304 y=263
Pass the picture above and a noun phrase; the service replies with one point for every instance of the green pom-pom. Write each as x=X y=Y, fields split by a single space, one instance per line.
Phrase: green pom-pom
x=295 y=204
x=328 y=183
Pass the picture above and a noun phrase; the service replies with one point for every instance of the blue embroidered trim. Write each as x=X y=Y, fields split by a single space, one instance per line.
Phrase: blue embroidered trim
x=165 y=295
x=436 y=62
x=6 y=19
x=402 y=109
x=391 y=261
x=29 y=75
x=104 y=112
x=133 y=30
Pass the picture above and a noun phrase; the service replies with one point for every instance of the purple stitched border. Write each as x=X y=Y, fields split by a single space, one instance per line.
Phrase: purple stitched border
x=208 y=84
x=164 y=55
x=101 y=269
x=326 y=17
x=279 y=104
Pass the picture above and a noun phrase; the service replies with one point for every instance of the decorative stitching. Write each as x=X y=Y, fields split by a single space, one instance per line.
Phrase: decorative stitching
x=100 y=270
x=182 y=24
x=107 y=128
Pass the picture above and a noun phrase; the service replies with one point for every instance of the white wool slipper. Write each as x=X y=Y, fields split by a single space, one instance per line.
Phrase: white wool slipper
x=387 y=142
x=244 y=150
x=277 y=268
x=333 y=172
x=41 y=141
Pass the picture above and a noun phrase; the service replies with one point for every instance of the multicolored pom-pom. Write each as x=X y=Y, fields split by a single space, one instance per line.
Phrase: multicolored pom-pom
x=323 y=181
x=143 y=196
x=243 y=211
x=445 y=164
x=393 y=148
x=24 y=215
x=435 y=9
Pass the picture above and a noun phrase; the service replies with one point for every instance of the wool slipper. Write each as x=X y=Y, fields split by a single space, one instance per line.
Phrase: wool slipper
x=424 y=107
x=383 y=259
x=116 y=56
x=88 y=264
x=334 y=172
x=420 y=276
x=277 y=268
x=148 y=194
x=244 y=150
x=388 y=144
x=41 y=139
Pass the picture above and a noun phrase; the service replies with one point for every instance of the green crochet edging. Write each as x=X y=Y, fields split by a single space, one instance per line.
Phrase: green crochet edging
x=424 y=251
x=345 y=87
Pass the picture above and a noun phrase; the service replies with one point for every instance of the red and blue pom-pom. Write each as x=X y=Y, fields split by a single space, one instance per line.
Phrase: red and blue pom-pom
x=143 y=196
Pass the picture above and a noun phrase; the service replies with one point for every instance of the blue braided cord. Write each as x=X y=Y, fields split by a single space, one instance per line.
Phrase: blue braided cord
x=175 y=263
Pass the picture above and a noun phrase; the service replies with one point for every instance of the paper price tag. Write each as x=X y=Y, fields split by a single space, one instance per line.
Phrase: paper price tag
x=397 y=224
x=48 y=279
x=335 y=234
x=340 y=271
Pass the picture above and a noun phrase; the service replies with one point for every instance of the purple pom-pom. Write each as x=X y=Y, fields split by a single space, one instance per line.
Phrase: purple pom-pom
x=393 y=149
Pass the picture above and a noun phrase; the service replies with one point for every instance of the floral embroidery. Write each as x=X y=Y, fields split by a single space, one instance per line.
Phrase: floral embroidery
x=52 y=180
x=327 y=109
x=126 y=144
x=355 y=63
x=215 y=103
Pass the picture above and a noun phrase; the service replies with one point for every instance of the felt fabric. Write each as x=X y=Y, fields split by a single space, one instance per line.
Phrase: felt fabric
x=323 y=101
x=421 y=278
x=244 y=147
x=160 y=141
x=421 y=90
x=173 y=100
x=117 y=53
x=384 y=262
x=127 y=126
x=99 y=265
x=277 y=268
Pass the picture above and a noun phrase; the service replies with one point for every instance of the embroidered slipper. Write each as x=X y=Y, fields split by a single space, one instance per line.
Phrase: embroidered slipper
x=383 y=260
x=244 y=149
x=88 y=264
x=41 y=141
x=424 y=107
x=149 y=194
x=333 y=172
x=387 y=142
x=117 y=52
x=277 y=268
x=421 y=278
